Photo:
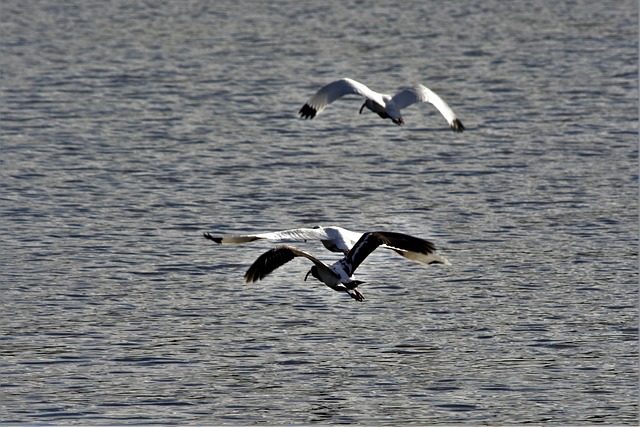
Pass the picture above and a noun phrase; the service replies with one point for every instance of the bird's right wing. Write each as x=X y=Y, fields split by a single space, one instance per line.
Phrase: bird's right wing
x=274 y=258
x=421 y=93
x=336 y=90
x=410 y=247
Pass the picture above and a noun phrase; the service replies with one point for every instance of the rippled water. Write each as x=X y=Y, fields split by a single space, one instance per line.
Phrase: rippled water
x=129 y=128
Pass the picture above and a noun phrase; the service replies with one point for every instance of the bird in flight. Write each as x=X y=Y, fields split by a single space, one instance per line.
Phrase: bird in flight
x=386 y=106
x=335 y=239
x=339 y=276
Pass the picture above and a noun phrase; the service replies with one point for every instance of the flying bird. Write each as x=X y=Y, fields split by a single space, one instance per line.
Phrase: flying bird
x=340 y=275
x=386 y=106
x=335 y=239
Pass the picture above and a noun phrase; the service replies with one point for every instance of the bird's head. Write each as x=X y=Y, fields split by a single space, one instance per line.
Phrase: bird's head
x=313 y=272
x=399 y=121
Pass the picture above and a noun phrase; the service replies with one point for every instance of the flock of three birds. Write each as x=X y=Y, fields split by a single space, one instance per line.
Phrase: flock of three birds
x=356 y=247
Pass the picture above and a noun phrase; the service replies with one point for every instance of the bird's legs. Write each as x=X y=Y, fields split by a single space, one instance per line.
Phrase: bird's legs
x=353 y=293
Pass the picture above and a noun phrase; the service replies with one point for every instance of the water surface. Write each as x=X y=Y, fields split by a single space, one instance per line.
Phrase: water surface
x=129 y=128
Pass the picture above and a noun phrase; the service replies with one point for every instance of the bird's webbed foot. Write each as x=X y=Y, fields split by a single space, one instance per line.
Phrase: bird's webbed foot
x=355 y=295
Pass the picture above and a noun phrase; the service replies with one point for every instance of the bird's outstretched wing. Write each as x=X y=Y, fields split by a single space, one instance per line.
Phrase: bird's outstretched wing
x=420 y=93
x=336 y=90
x=294 y=235
x=277 y=257
x=370 y=241
x=335 y=239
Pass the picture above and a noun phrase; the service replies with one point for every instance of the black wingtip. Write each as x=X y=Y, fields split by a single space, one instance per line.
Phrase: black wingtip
x=253 y=274
x=457 y=126
x=218 y=240
x=250 y=278
x=307 y=112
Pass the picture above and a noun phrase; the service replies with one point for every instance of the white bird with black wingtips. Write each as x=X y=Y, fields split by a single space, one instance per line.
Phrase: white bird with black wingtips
x=340 y=275
x=335 y=239
x=386 y=106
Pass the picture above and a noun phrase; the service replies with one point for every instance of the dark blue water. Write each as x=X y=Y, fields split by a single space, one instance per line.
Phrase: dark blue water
x=129 y=128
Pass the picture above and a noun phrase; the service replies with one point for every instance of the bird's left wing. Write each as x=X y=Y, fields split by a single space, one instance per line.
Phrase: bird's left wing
x=294 y=235
x=274 y=258
x=420 y=93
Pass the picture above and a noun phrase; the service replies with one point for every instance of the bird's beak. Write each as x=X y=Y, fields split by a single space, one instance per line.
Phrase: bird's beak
x=362 y=108
x=308 y=273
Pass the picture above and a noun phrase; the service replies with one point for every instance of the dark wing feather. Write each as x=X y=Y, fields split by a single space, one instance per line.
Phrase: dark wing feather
x=360 y=251
x=274 y=258
x=210 y=237
x=406 y=242
x=268 y=262
x=370 y=241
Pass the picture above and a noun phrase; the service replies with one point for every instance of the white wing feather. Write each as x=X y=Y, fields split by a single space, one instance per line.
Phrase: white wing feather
x=420 y=93
x=336 y=90
x=336 y=239
x=294 y=235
